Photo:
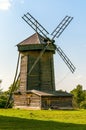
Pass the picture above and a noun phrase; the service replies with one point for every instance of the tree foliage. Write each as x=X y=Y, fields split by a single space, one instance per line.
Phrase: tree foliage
x=83 y=104
x=5 y=95
x=79 y=97
x=3 y=99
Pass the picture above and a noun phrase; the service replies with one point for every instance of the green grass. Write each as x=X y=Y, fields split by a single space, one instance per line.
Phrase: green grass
x=14 y=119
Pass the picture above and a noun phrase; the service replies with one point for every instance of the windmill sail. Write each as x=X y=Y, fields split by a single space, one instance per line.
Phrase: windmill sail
x=61 y=27
x=29 y=19
x=34 y=24
x=65 y=59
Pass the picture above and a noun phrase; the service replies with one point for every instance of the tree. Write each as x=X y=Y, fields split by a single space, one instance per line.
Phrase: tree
x=83 y=104
x=4 y=96
x=14 y=87
x=78 y=96
x=0 y=82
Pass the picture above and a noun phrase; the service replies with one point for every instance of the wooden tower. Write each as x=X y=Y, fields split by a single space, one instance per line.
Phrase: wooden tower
x=41 y=77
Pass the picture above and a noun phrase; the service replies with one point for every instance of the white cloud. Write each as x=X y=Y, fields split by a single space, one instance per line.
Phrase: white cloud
x=5 y=4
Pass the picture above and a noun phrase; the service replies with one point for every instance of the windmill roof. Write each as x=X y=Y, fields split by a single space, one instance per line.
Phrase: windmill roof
x=34 y=39
x=34 y=42
x=40 y=93
x=55 y=93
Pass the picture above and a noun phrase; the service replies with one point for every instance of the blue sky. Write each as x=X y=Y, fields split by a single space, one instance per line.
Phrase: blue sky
x=49 y=13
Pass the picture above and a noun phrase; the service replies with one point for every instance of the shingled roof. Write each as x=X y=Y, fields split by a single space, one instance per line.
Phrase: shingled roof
x=34 y=42
x=55 y=93
x=34 y=39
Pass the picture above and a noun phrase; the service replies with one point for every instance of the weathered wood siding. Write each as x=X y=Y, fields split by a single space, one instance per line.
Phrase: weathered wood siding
x=33 y=79
x=23 y=73
x=42 y=76
x=25 y=100
x=47 y=72
x=20 y=100
x=56 y=102
x=33 y=101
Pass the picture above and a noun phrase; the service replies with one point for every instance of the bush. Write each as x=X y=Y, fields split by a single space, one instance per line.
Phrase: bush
x=2 y=103
x=3 y=100
x=83 y=104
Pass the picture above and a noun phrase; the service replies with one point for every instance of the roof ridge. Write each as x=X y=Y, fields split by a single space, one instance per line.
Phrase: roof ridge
x=38 y=37
x=41 y=38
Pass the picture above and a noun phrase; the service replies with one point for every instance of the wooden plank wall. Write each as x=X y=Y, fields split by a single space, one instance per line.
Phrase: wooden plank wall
x=23 y=73
x=34 y=101
x=34 y=77
x=47 y=72
x=42 y=76
x=20 y=100
x=56 y=102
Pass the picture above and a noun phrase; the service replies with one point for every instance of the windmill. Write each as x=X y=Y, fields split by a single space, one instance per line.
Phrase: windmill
x=37 y=67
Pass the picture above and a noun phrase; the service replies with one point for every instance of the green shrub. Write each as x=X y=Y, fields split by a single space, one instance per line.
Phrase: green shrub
x=3 y=100
x=83 y=104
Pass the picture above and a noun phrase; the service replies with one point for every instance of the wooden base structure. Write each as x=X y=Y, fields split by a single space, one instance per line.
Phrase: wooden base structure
x=35 y=99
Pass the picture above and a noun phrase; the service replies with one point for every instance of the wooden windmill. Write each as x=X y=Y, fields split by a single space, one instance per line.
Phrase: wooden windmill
x=37 y=65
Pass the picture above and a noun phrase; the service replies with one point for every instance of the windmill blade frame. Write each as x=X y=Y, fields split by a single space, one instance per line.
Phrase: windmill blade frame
x=65 y=59
x=34 y=24
x=30 y=20
x=61 y=27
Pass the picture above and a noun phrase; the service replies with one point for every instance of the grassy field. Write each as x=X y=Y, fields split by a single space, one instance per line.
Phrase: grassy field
x=14 y=119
